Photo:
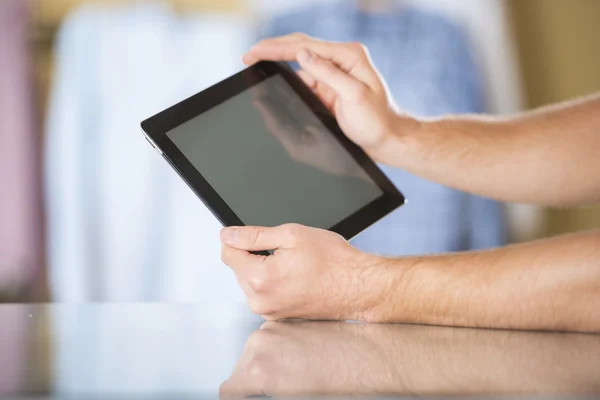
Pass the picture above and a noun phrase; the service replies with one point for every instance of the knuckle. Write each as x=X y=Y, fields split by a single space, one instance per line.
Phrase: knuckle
x=258 y=283
x=361 y=93
x=292 y=230
x=263 y=278
x=357 y=47
x=259 y=370
x=299 y=35
x=260 y=307
x=254 y=235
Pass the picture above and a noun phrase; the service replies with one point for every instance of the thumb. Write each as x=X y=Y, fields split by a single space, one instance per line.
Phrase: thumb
x=255 y=238
x=329 y=74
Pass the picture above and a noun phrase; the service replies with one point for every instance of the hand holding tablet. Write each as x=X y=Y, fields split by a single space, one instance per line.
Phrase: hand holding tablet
x=261 y=149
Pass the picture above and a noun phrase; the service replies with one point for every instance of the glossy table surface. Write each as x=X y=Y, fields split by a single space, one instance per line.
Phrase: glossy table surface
x=199 y=351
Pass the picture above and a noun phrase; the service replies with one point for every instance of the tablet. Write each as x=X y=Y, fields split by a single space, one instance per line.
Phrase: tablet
x=260 y=148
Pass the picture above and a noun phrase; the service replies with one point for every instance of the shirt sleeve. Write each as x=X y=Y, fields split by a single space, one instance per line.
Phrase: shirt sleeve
x=461 y=76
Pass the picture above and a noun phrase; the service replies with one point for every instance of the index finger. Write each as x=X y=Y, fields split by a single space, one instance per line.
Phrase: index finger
x=349 y=57
x=294 y=37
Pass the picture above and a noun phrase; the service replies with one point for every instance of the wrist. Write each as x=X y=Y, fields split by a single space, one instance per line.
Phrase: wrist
x=400 y=134
x=381 y=286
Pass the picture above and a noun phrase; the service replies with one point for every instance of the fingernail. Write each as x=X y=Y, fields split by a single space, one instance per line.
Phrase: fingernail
x=248 y=59
x=229 y=235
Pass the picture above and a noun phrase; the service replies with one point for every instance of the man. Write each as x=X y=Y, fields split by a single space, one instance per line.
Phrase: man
x=549 y=157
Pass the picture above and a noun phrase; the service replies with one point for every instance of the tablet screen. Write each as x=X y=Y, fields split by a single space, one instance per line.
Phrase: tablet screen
x=272 y=160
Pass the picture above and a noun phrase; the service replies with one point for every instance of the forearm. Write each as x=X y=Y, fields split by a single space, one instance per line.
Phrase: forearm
x=477 y=361
x=552 y=284
x=549 y=156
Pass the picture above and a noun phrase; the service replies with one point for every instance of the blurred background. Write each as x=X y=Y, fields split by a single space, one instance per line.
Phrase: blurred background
x=88 y=212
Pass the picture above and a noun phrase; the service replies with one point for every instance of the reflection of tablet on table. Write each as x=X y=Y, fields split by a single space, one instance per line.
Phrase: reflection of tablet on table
x=260 y=149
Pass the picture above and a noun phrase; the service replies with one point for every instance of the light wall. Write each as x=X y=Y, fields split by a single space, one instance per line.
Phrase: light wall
x=558 y=45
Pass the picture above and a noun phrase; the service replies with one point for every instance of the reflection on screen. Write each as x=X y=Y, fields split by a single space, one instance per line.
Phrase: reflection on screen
x=273 y=161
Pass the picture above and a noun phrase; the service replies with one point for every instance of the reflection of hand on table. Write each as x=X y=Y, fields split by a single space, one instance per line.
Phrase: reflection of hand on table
x=307 y=358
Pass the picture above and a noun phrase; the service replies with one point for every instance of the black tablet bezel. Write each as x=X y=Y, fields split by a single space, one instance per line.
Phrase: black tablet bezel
x=156 y=129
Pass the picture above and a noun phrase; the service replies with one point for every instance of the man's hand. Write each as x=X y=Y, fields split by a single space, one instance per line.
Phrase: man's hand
x=343 y=77
x=313 y=273
x=318 y=359
x=551 y=284
x=548 y=156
